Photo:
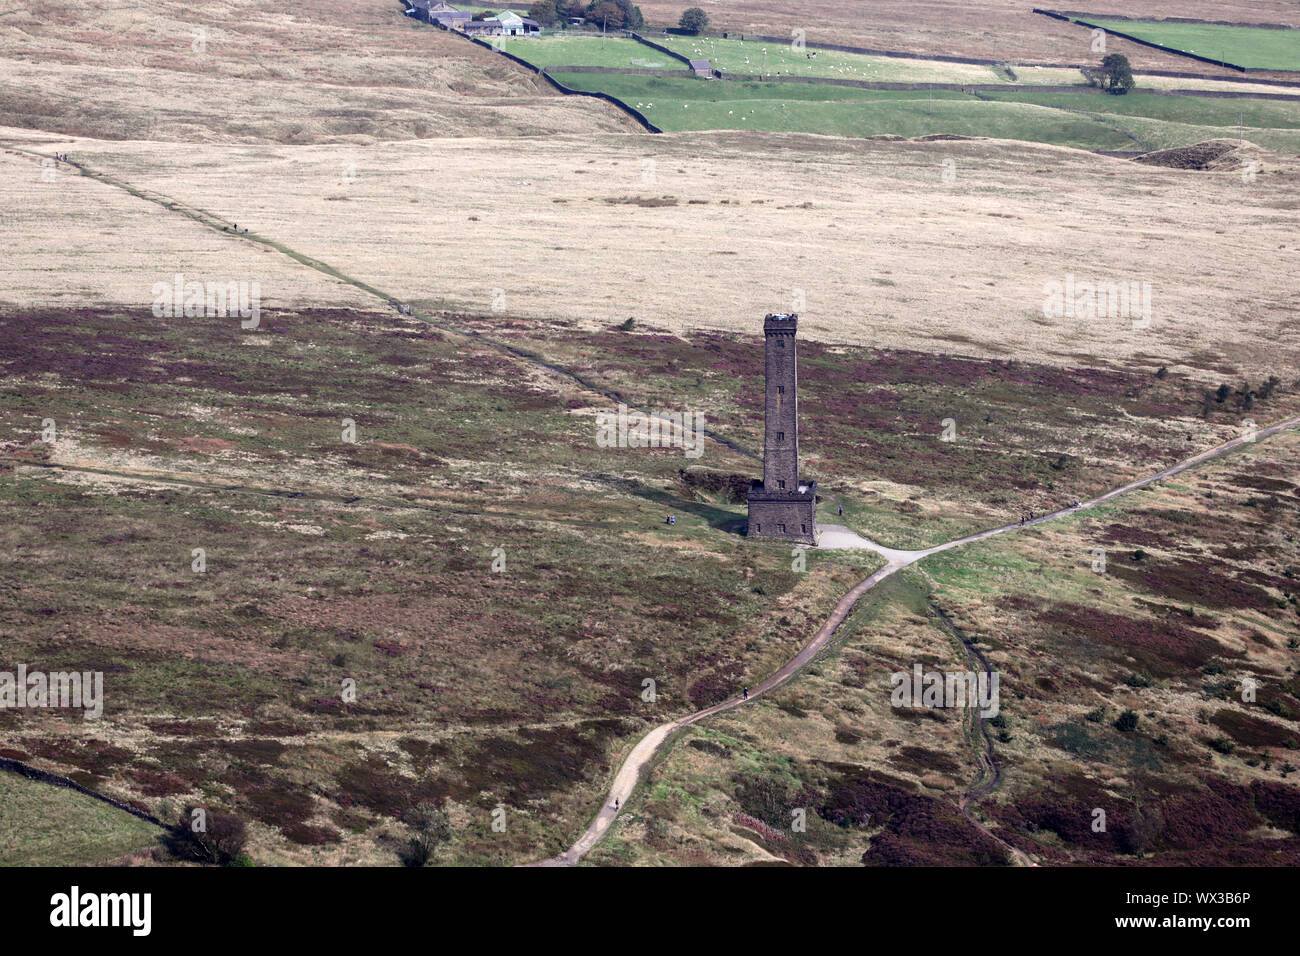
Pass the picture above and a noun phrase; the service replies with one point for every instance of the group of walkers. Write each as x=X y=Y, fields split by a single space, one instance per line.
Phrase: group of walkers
x=1031 y=516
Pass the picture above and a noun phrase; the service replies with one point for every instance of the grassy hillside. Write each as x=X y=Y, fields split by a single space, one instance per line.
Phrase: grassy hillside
x=44 y=825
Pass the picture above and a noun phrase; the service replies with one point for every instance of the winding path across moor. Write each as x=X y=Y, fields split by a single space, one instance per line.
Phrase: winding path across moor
x=837 y=537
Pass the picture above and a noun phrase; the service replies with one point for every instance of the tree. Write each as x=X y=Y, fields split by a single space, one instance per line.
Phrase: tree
x=606 y=14
x=615 y=14
x=1117 y=75
x=430 y=829
x=544 y=12
x=694 y=20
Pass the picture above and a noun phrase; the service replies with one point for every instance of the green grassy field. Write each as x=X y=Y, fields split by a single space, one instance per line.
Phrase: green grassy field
x=748 y=56
x=1196 y=110
x=44 y=825
x=589 y=51
x=1080 y=120
x=1151 y=121
x=1251 y=47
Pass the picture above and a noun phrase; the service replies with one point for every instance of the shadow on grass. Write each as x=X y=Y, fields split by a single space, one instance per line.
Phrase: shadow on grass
x=717 y=518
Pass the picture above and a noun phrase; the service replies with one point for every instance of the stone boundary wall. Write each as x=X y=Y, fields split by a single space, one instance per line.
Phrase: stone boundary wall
x=44 y=776
x=662 y=49
x=1055 y=15
x=567 y=91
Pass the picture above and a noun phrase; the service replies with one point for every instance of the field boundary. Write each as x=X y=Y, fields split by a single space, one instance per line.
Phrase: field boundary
x=631 y=111
x=978 y=61
x=1169 y=49
x=662 y=49
x=625 y=70
x=560 y=87
x=1074 y=14
x=921 y=87
x=897 y=54
x=54 y=779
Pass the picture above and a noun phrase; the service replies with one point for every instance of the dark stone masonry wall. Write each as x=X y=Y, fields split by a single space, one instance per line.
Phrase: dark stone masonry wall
x=778 y=507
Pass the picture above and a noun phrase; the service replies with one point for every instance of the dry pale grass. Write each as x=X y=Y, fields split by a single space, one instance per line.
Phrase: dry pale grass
x=726 y=227
x=334 y=70
x=74 y=242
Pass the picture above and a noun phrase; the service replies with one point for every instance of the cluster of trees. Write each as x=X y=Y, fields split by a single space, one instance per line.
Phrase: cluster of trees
x=610 y=14
x=1244 y=397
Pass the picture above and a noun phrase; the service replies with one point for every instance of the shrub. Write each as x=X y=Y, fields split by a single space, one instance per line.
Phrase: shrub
x=220 y=844
x=430 y=829
x=1126 y=721
x=1223 y=745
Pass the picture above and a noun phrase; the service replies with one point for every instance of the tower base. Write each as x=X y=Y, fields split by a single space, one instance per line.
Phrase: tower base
x=784 y=515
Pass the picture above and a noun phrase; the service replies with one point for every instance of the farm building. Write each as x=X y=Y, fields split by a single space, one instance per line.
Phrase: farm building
x=436 y=11
x=513 y=25
x=480 y=28
x=448 y=16
x=702 y=68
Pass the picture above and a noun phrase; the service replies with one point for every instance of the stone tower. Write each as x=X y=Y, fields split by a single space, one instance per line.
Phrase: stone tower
x=782 y=507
